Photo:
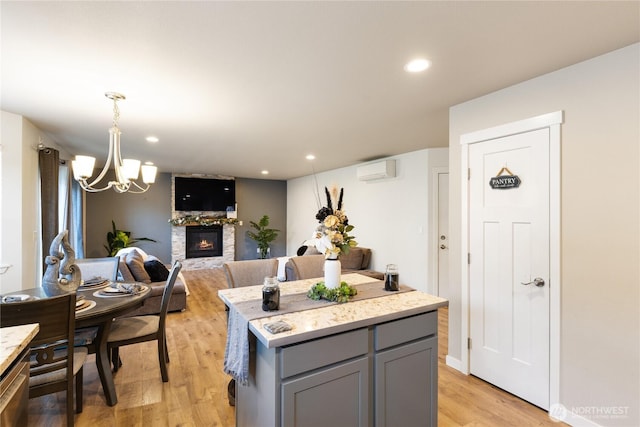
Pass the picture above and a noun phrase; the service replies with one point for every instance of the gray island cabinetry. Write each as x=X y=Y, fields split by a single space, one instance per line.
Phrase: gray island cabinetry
x=371 y=362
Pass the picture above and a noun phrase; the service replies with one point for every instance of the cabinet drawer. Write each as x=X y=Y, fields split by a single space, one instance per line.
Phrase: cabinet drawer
x=322 y=352
x=406 y=330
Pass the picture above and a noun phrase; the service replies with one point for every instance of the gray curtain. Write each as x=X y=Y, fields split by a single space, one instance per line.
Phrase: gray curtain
x=48 y=165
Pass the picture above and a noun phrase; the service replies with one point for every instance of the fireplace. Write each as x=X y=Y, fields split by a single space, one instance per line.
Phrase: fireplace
x=203 y=241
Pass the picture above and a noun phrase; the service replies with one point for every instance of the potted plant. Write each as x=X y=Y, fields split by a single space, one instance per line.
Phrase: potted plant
x=118 y=239
x=263 y=235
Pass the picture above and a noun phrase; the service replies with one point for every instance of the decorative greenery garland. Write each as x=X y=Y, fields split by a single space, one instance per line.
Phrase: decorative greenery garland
x=202 y=220
x=340 y=294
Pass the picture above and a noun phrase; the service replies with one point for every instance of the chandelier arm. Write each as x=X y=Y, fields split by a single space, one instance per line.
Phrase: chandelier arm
x=106 y=165
x=89 y=187
x=142 y=189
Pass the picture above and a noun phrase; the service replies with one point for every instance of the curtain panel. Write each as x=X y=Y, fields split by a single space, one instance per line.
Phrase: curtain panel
x=48 y=165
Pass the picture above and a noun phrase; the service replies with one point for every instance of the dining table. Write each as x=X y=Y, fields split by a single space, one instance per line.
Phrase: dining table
x=98 y=309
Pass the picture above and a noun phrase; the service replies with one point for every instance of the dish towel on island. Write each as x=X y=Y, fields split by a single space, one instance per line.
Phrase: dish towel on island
x=236 y=352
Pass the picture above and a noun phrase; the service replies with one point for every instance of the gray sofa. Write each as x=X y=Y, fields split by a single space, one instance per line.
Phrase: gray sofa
x=311 y=263
x=132 y=268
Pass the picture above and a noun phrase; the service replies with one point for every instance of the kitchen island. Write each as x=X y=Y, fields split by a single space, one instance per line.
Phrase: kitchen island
x=369 y=362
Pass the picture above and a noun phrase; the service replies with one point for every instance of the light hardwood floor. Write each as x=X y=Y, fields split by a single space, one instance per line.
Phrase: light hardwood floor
x=196 y=394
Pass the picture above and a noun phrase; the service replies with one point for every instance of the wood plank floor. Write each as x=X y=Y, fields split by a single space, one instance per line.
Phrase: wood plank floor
x=196 y=394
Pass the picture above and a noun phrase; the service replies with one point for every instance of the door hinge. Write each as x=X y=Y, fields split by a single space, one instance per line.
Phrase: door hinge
x=468 y=174
x=468 y=257
x=469 y=343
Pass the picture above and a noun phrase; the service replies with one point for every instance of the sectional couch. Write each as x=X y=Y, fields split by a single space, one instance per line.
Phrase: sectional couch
x=132 y=268
x=311 y=264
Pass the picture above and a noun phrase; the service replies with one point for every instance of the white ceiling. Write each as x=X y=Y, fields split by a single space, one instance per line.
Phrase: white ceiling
x=233 y=88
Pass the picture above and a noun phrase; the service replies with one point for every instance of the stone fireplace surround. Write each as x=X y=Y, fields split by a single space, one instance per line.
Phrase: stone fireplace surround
x=179 y=236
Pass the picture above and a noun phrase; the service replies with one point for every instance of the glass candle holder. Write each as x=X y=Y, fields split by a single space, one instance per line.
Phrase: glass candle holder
x=270 y=294
x=391 y=278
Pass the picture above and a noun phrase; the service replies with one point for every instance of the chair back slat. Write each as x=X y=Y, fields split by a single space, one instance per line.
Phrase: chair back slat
x=168 y=289
x=56 y=316
x=91 y=268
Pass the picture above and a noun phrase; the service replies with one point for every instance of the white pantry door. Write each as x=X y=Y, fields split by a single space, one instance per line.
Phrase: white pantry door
x=509 y=265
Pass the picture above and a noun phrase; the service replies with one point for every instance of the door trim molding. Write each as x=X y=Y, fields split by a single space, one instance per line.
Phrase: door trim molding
x=552 y=121
x=433 y=260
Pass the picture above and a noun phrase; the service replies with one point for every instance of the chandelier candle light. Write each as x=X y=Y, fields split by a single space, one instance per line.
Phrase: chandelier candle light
x=126 y=171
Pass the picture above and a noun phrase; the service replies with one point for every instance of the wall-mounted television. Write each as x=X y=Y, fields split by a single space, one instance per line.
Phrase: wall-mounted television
x=204 y=194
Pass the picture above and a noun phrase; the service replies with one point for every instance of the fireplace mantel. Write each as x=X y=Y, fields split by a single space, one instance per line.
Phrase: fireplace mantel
x=179 y=237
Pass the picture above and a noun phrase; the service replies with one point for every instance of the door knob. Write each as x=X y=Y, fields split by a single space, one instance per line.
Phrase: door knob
x=538 y=281
x=443 y=247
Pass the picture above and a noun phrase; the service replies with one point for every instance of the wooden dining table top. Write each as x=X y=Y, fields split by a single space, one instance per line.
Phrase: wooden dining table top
x=105 y=307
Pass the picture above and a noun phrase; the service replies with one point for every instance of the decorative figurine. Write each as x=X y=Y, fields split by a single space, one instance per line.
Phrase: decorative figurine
x=62 y=274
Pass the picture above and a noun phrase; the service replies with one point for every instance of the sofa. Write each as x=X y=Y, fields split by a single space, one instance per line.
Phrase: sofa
x=136 y=265
x=311 y=263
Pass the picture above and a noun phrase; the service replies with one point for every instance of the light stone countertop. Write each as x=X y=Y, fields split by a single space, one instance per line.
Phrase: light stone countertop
x=335 y=318
x=13 y=340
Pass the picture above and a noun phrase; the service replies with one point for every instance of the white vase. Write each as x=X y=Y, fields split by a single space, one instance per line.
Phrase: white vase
x=332 y=269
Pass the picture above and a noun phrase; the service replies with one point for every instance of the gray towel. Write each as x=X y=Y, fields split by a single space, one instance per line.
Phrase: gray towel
x=236 y=352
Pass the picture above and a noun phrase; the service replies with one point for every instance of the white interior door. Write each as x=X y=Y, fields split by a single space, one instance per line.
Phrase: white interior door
x=443 y=235
x=509 y=251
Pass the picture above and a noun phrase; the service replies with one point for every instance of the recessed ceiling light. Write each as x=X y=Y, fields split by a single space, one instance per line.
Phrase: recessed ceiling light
x=417 y=65
x=265 y=172
x=310 y=157
x=152 y=139
x=148 y=163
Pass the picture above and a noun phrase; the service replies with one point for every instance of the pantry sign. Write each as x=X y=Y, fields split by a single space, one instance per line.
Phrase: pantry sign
x=504 y=180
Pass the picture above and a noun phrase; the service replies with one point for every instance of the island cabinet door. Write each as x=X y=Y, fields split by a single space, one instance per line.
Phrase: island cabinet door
x=337 y=396
x=406 y=385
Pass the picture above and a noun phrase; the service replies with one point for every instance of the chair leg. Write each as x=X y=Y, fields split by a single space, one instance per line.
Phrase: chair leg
x=79 y=391
x=115 y=358
x=70 y=413
x=162 y=350
x=166 y=351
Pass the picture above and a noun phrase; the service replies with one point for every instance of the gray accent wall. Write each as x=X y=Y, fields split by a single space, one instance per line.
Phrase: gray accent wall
x=147 y=215
x=257 y=197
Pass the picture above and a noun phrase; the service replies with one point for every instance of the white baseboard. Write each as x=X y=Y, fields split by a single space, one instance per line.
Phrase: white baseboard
x=454 y=363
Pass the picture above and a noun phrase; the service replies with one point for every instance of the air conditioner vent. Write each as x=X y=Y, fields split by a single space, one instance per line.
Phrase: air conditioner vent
x=377 y=170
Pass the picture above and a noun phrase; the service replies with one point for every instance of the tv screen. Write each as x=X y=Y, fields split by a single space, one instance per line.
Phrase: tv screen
x=204 y=194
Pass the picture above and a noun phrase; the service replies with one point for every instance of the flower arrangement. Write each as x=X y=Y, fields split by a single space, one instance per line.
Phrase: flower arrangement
x=340 y=294
x=202 y=220
x=331 y=237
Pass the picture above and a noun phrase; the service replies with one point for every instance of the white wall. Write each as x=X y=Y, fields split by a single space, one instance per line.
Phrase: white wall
x=390 y=216
x=20 y=233
x=600 y=357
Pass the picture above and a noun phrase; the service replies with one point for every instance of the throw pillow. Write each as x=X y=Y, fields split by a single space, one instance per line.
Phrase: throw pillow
x=311 y=250
x=157 y=271
x=135 y=262
x=124 y=274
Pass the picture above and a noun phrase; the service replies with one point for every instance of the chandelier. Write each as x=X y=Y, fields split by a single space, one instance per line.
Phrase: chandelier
x=126 y=171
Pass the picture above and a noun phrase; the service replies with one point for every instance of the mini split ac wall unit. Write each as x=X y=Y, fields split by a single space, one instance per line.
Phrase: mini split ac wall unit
x=377 y=170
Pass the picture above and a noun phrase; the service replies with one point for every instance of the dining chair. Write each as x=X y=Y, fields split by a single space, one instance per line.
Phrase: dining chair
x=307 y=266
x=92 y=268
x=249 y=272
x=151 y=327
x=54 y=363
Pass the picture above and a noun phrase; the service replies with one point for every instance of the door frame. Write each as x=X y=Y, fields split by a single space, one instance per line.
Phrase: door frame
x=552 y=121
x=434 y=223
